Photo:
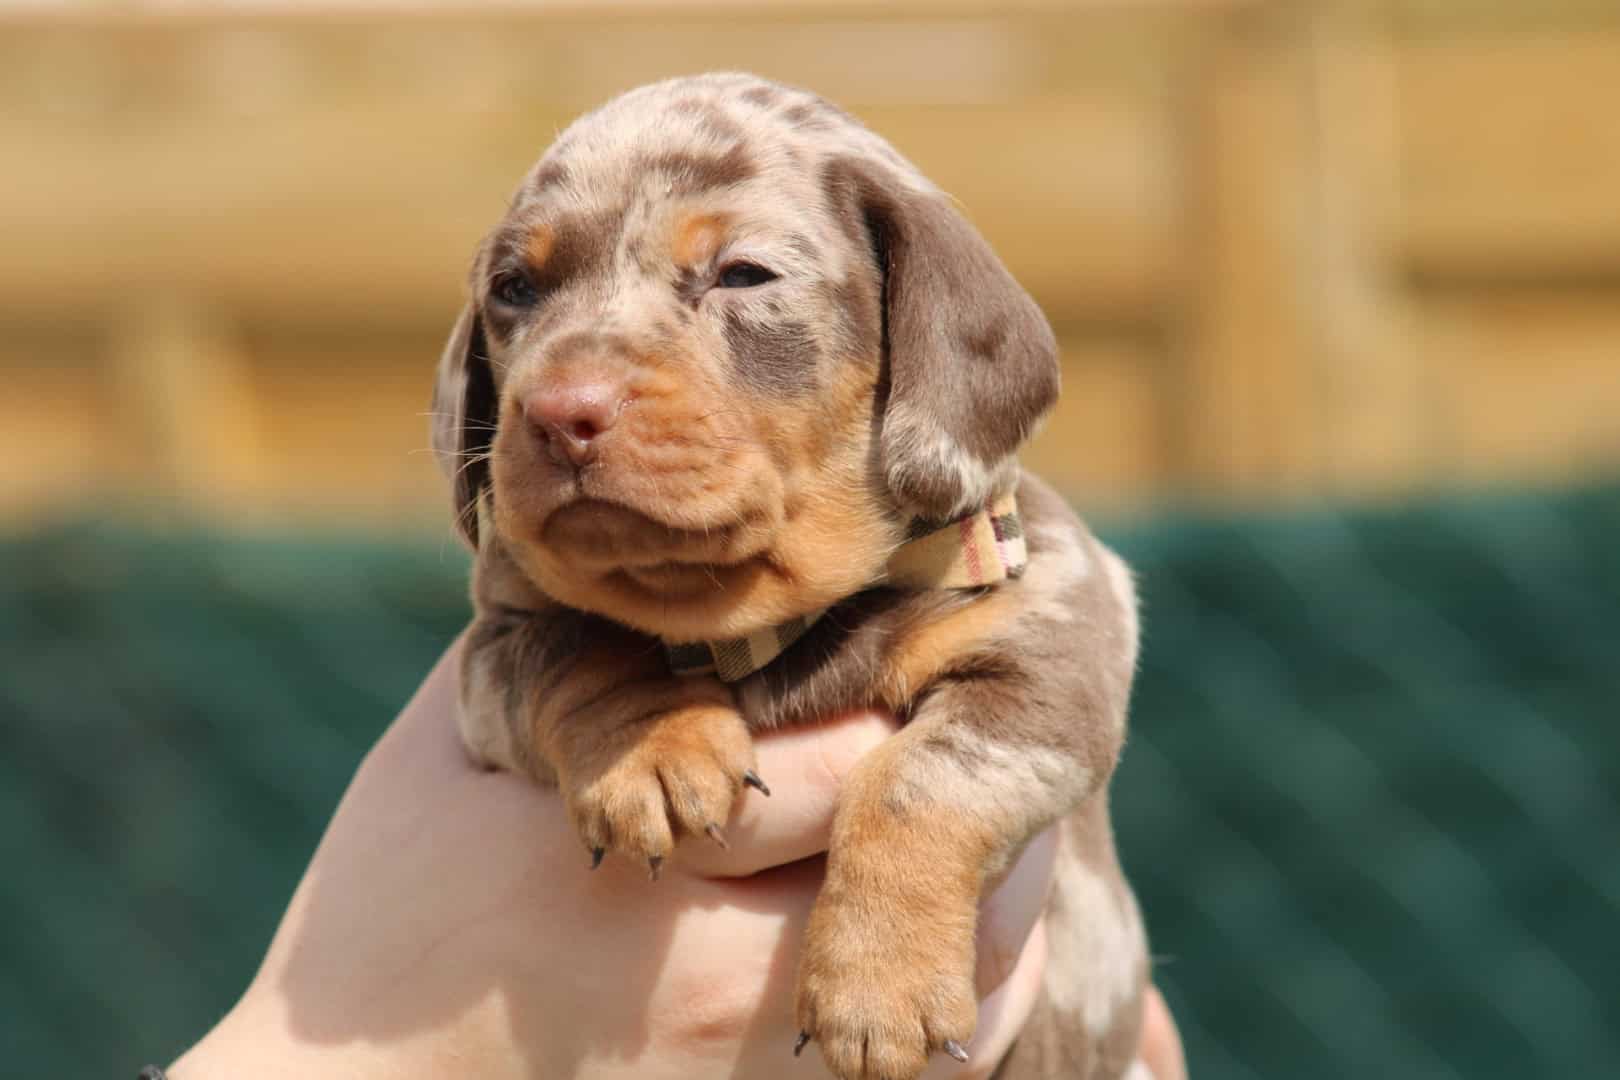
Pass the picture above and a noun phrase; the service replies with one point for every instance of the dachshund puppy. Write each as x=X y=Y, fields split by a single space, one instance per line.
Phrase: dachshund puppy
x=732 y=414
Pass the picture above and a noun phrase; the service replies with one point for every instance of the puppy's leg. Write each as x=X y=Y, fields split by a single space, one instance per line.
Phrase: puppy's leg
x=648 y=764
x=641 y=758
x=926 y=820
x=1020 y=723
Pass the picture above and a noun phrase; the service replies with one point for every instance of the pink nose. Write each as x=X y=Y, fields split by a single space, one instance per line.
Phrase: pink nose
x=572 y=416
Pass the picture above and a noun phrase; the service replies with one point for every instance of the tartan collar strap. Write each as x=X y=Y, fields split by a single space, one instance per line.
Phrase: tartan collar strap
x=979 y=549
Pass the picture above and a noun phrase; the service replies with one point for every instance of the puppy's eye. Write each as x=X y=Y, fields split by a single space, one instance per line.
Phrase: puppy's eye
x=514 y=290
x=743 y=275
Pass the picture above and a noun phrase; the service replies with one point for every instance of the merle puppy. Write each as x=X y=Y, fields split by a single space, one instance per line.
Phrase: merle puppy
x=732 y=412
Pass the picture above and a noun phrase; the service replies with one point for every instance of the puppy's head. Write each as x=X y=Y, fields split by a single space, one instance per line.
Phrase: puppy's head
x=723 y=346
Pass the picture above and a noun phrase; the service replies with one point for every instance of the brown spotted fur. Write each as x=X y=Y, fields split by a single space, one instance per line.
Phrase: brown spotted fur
x=770 y=445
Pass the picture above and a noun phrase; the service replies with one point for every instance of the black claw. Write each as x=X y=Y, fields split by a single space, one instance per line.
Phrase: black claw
x=653 y=864
x=954 y=1048
x=798 y=1044
x=717 y=836
x=596 y=856
x=751 y=778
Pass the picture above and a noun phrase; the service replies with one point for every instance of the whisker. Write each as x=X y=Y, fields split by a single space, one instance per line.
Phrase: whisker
x=661 y=504
x=449 y=453
x=469 y=464
x=465 y=515
x=716 y=412
x=468 y=421
x=473 y=457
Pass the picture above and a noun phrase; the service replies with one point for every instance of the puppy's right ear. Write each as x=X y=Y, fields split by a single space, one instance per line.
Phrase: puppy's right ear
x=464 y=403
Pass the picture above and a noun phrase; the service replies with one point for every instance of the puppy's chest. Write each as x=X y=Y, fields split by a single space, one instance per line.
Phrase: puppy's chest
x=878 y=649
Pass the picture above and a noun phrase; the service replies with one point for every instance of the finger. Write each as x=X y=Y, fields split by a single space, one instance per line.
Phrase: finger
x=1011 y=910
x=1161 y=1043
x=424 y=735
x=1001 y=1015
x=803 y=768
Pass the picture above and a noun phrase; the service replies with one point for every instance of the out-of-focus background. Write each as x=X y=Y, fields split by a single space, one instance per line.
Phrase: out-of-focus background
x=1338 y=288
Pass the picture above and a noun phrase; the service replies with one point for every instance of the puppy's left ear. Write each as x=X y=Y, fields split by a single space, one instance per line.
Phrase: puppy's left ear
x=464 y=403
x=972 y=362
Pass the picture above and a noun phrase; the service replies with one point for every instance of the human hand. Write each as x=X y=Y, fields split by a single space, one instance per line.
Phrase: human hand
x=449 y=924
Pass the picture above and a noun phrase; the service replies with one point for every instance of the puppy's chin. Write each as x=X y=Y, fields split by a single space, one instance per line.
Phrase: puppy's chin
x=595 y=536
x=689 y=585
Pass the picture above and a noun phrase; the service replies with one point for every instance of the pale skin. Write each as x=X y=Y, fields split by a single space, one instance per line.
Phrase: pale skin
x=449 y=925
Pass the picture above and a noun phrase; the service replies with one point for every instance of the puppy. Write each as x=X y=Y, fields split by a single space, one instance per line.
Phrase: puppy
x=732 y=414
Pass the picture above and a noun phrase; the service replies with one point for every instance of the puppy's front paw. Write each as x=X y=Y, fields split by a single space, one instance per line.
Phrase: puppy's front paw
x=883 y=986
x=639 y=788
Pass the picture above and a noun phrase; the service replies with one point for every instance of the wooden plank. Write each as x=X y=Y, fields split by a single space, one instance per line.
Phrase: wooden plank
x=1439 y=18
x=347 y=433
x=1529 y=382
x=311 y=430
x=143 y=13
x=298 y=216
x=1372 y=388
x=1247 y=410
x=188 y=415
x=247 y=69
x=1078 y=197
x=1107 y=444
x=326 y=168
x=1511 y=156
x=60 y=441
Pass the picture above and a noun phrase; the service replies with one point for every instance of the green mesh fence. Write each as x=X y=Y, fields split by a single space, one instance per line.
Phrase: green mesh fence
x=1369 y=802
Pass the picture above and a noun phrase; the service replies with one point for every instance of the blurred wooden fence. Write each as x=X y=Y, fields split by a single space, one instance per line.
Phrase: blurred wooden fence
x=1288 y=247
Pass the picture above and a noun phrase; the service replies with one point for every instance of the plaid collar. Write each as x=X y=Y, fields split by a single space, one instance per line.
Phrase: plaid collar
x=982 y=548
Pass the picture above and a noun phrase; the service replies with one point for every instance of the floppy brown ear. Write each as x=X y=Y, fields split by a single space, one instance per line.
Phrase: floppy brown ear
x=464 y=405
x=972 y=363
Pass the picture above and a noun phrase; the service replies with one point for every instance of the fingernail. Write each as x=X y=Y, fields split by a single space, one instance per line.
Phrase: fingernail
x=798 y=1045
x=954 y=1048
x=751 y=778
x=596 y=856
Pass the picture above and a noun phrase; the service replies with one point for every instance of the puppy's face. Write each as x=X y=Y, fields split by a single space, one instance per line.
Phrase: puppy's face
x=690 y=365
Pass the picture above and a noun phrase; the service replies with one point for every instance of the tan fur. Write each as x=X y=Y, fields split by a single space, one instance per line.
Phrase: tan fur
x=761 y=451
x=919 y=657
x=542 y=238
x=887 y=972
x=697 y=238
x=637 y=781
